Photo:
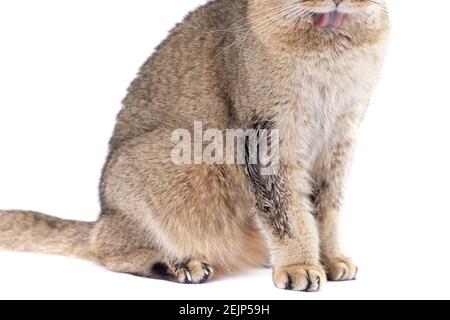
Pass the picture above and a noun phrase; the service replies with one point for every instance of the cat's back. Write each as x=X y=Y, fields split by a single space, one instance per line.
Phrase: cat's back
x=183 y=72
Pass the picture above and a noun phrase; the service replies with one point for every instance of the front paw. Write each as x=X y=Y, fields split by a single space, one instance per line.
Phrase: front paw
x=340 y=269
x=299 y=278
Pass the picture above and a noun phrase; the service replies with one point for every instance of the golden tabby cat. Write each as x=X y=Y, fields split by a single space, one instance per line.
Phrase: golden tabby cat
x=302 y=68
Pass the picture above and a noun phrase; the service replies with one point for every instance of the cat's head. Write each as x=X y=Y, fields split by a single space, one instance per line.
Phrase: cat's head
x=319 y=21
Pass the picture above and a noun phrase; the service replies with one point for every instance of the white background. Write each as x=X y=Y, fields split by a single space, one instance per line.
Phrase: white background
x=64 y=68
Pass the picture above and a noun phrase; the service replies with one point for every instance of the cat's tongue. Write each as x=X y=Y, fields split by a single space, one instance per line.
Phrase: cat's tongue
x=330 y=19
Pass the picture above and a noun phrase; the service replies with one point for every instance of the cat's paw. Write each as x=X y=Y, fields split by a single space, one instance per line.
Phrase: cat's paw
x=193 y=272
x=340 y=269
x=299 y=278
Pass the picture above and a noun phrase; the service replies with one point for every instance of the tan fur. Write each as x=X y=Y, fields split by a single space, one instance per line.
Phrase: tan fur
x=36 y=232
x=231 y=64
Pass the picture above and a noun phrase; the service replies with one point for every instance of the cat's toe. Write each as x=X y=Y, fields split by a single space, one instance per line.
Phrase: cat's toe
x=341 y=269
x=300 y=278
x=194 y=272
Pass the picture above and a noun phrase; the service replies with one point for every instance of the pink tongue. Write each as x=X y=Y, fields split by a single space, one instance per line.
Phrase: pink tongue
x=330 y=19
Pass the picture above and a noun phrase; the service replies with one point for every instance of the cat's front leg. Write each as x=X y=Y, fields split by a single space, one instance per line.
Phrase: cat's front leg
x=285 y=212
x=331 y=172
x=337 y=265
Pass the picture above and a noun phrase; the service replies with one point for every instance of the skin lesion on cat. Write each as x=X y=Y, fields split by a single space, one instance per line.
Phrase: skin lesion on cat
x=298 y=73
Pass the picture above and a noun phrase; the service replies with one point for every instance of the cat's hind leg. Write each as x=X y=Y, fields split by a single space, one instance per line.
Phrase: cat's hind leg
x=188 y=219
x=120 y=245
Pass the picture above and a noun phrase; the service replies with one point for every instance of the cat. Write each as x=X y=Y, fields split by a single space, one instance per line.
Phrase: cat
x=303 y=68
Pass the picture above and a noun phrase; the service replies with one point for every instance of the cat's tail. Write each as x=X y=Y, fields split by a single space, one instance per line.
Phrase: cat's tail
x=36 y=232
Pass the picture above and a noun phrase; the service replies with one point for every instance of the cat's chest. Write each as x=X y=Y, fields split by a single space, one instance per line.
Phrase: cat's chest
x=321 y=93
x=326 y=89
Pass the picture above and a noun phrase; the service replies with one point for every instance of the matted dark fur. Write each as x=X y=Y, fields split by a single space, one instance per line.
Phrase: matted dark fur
x=268 y=189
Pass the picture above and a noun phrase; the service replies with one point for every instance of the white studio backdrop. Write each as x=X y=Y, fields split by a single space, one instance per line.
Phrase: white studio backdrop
x=64 y=69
